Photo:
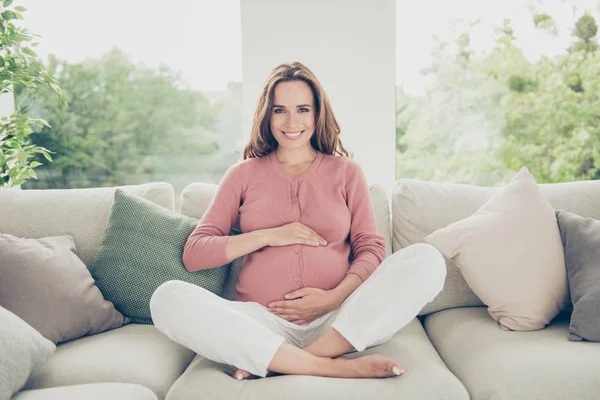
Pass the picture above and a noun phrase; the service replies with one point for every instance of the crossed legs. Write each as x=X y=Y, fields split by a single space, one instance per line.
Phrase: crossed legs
x=220 y=330
x=381 y=306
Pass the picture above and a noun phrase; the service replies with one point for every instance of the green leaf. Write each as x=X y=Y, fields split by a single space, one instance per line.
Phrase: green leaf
x=8 y=15
x=7 y=3
x=20 y=8
x=35 y=164
x=28 y=51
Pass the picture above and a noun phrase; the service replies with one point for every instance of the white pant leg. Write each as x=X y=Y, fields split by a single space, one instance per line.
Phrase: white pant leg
x=216 y=328
x=391 y=297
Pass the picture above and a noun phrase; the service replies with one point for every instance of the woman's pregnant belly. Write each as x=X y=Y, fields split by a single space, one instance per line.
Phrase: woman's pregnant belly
x=272 y=272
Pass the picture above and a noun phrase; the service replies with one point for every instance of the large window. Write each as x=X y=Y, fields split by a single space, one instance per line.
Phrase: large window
x=486 y=87
x=154 y=91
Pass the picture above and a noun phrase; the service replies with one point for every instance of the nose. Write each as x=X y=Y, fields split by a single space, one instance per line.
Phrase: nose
x=292 y=120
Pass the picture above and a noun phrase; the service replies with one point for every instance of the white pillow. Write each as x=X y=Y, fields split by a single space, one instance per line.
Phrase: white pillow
x=22 y=349
x=510 y=254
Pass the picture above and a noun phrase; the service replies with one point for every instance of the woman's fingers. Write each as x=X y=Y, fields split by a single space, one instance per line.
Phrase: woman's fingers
x=286 y=315
x=309 y=242
x=313 y=236
x=289 y=317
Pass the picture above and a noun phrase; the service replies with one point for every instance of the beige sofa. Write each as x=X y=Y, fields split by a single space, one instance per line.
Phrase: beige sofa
x=453 y=350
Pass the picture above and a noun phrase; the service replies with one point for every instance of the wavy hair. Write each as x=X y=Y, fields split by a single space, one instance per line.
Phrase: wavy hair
x=327 y=131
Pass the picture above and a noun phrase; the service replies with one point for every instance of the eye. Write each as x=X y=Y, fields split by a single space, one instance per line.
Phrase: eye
x=304 y=110
x=276 y=111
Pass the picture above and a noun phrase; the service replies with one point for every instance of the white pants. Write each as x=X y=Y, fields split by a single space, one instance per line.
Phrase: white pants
x=247 y=335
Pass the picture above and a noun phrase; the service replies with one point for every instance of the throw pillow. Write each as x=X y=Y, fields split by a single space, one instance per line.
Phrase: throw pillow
x=143 y=248
x=581 y=241
x=47 y=285
x=23 y=349
x=510 y=254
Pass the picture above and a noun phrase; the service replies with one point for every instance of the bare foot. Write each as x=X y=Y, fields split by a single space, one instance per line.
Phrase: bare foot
x=371 y=366
x=240 y=374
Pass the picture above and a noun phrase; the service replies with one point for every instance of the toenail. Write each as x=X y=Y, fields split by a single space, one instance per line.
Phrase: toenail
x=396 y=371
x=240 y=377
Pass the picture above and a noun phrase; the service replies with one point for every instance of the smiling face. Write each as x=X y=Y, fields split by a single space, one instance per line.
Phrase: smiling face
x=292 y=115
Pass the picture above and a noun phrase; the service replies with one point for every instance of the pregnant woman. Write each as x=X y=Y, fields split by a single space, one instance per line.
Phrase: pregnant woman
x=315 y=283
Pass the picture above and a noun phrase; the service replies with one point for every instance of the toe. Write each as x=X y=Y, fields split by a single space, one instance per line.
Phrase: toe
x=398 y=370
x=240 y=374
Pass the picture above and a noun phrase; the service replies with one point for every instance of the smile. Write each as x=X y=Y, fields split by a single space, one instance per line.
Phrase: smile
x=293 y=135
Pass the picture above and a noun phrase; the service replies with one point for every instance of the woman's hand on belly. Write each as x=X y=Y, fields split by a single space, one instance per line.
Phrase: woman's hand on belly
x=294 y=233
x=304 y=305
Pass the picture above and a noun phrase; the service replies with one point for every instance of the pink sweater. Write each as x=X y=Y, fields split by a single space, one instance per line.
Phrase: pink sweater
x=331 y=197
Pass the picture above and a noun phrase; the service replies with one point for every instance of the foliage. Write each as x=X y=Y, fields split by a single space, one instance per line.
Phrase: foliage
x=125 y=122
x=485 y=117
x=19 y=67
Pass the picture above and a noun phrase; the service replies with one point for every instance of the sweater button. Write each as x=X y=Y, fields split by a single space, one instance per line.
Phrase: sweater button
x=296 y=278
x=297 y=219
x=297 y=249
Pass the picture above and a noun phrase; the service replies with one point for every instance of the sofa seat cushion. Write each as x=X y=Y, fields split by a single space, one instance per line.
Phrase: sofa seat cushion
x=426 y=377
x=90 y=391
x=134 y=353
x=497 y=364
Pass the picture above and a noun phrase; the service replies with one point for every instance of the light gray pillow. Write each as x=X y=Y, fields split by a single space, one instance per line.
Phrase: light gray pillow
x=44 y=282
x=22 y=349
x=581 y=242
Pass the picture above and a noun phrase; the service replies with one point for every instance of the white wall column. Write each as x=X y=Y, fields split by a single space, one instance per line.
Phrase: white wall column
x=350 y=45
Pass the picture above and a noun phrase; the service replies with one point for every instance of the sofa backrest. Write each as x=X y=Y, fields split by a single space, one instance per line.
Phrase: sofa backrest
x=196 y=198
x=420 y=208
x=81 y=213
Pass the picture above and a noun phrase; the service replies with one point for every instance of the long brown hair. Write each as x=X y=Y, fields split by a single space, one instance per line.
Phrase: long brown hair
x=327 y=131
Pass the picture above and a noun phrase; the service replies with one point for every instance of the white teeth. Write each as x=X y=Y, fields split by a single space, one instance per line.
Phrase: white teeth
x=293 y=134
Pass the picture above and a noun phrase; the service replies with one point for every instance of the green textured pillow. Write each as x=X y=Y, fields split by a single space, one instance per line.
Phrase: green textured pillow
x=142 y=248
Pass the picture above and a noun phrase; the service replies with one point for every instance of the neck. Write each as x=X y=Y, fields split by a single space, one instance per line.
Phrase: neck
x=295 y=157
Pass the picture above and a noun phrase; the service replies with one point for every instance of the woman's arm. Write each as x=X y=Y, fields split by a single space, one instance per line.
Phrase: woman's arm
x=348 y=285
x=240 y=245
x=207 y=246
x=368 y=246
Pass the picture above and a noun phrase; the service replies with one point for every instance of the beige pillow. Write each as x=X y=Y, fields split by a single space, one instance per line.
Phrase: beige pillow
x=49 y=287
x=510 y=254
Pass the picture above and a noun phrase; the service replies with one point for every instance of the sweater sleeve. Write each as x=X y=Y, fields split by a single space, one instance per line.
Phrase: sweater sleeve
x=368 y=247
x=205 y=247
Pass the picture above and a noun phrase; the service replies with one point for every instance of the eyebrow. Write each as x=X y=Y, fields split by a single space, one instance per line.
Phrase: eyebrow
x=301 y=105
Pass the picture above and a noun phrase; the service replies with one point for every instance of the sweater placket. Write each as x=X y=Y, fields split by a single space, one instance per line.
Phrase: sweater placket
x=296 y=248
